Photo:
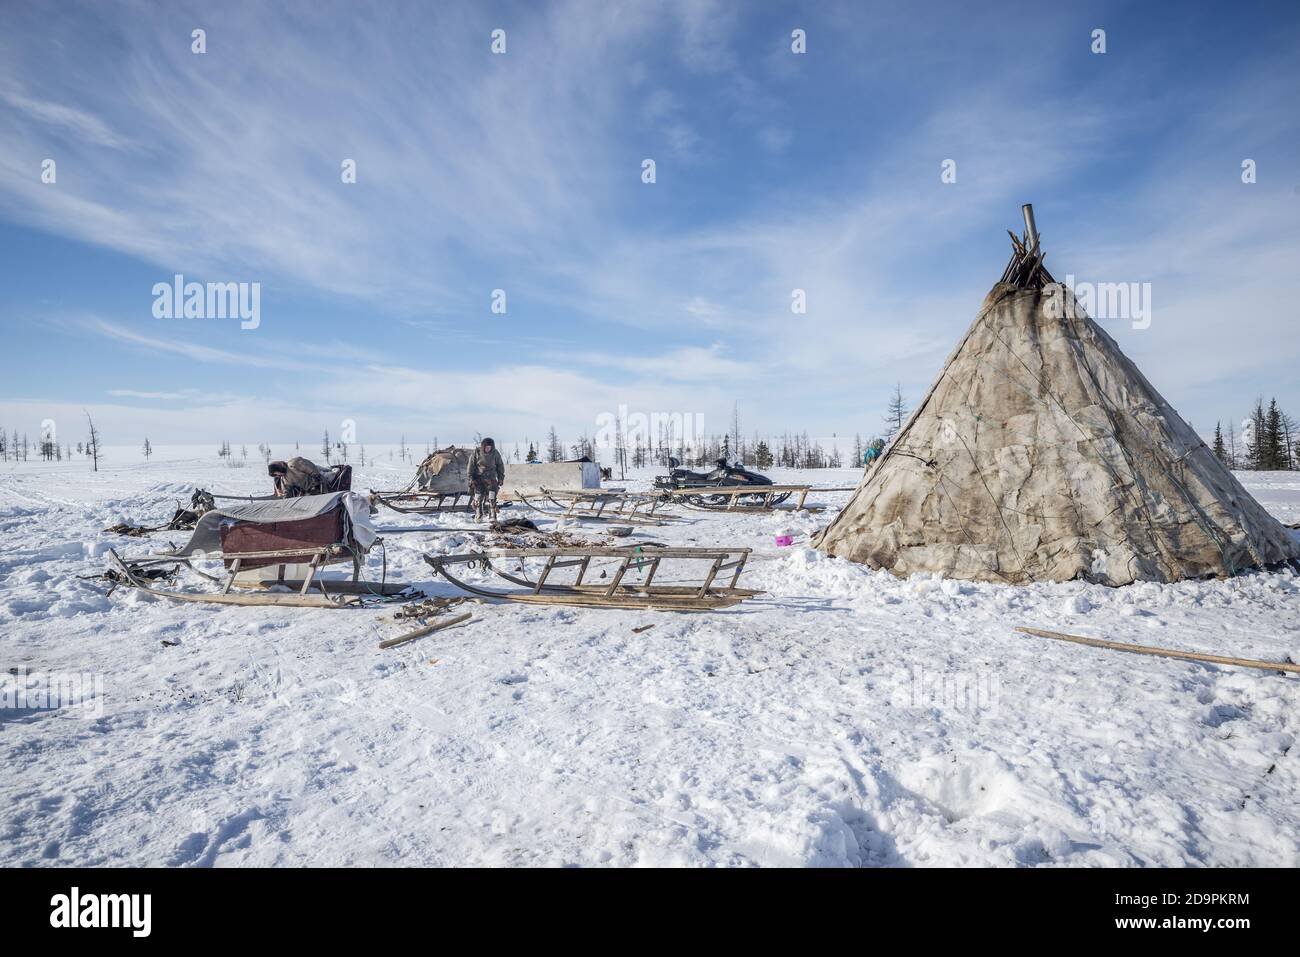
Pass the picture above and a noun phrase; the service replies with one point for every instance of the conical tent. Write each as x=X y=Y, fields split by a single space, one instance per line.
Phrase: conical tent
x=1041 y=453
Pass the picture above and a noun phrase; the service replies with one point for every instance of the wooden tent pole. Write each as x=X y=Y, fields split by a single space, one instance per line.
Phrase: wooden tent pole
x=1164 y=652
x=426 y=630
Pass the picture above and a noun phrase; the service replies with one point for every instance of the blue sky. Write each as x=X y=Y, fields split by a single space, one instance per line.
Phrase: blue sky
x=775 y=171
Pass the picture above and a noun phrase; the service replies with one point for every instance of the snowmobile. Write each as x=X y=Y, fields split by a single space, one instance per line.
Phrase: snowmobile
x=723 y=476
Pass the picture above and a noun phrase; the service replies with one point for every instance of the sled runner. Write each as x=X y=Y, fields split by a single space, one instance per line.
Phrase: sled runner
x=292 y=539
x=627 y=576
x=595 y=505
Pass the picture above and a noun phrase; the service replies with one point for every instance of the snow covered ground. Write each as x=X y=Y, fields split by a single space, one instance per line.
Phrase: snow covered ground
x=844 y=718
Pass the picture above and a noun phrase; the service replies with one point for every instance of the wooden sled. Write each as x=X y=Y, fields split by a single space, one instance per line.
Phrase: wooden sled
x=631 y=584
x=261 y=539
x=596 y=505
x=742 y=498
x=761 y=498
x=310 y=592
x=424 y=503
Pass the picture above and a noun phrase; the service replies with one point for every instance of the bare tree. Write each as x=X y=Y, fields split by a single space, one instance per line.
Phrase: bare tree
x=620 y=446
x=735 y=448
x=93 y=445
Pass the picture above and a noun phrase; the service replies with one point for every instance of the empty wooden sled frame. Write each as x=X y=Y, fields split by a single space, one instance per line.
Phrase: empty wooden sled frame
x=294 y=537
x=423 y=503
x=602 y=505
x=631 y=576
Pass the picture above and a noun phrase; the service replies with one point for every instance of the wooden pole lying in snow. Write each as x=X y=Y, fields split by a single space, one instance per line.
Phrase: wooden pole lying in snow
x=426 y=630
x=1164 y=652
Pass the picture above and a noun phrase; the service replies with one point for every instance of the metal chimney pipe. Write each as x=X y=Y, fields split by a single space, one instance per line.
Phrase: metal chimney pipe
x=1031 y=231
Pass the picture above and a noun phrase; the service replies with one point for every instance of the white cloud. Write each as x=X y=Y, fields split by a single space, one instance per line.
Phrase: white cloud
x=516 y=168
x=79 y=124
x=152 y=396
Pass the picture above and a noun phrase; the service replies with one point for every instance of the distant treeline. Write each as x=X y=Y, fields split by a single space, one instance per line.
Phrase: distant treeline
x=20 y=448
x=794 y=450
x=1269 y=441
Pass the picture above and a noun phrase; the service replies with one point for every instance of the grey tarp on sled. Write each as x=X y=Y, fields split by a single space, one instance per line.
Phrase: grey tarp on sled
x=295 y=536
x=214 y=527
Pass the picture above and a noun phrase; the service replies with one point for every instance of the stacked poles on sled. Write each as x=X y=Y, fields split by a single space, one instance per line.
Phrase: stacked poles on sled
x=631 y=585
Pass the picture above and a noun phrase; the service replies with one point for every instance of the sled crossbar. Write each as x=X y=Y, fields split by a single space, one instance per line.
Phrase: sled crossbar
x=630 y=570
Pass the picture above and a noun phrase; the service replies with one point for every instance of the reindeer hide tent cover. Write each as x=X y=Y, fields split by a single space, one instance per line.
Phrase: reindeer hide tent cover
x=444 y=471
x=1041 y=453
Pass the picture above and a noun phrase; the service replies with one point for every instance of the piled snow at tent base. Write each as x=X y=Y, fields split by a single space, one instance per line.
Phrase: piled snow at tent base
x=849 y=717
